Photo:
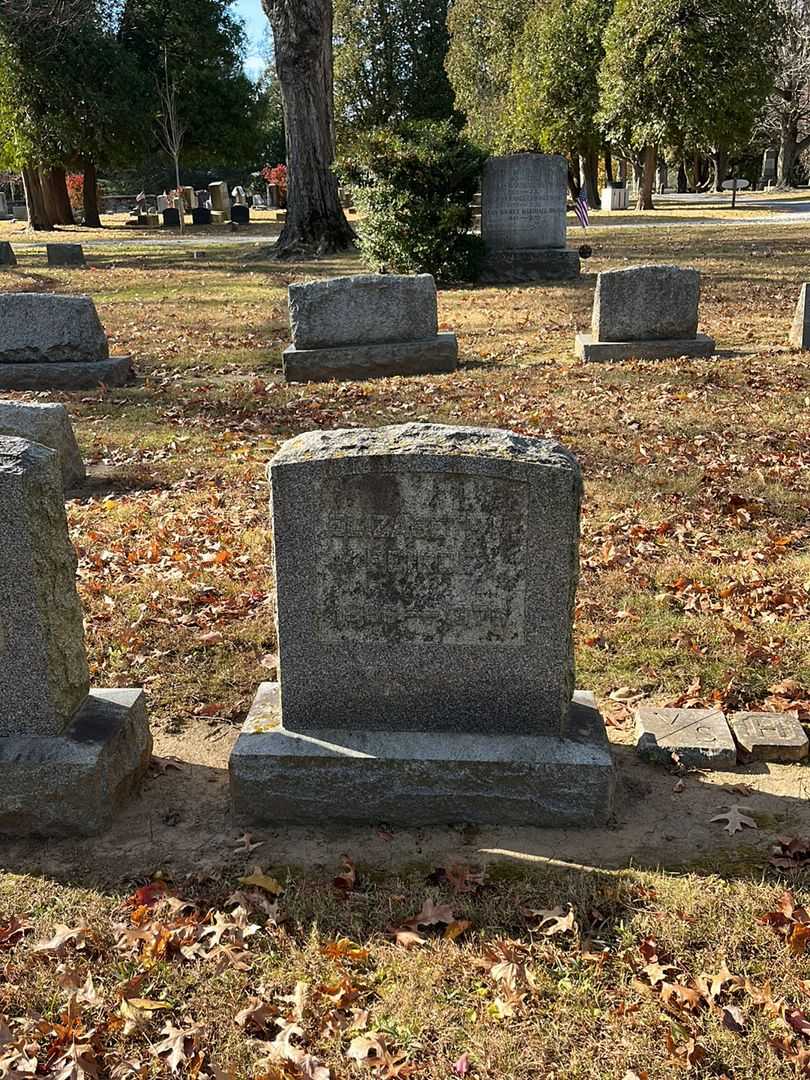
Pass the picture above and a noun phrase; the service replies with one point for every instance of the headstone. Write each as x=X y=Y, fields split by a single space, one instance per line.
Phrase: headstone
x=151 y=220
x=7 y=256
x=696 y=738
x=614 y=197
x=645 y=312
x=523 y=207
x=203 y=197
x=201 y=215
x=425 y=580
x=189 y=198
x=240 y=214
x=763 y=736
x=49 y=425
x=366 y=325
x=4 y=214
x=55 y=342
x=20 y=211
x=65 y=255
x=238 y=195
x=68 y=755
x=769 y=162
x=162 y=203
x=218 y=217
x=171 y=217
x=220 y=200
x=800 y=330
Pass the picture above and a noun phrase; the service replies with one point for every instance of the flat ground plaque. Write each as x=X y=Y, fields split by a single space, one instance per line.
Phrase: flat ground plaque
x=699 y=737
x=769 y=736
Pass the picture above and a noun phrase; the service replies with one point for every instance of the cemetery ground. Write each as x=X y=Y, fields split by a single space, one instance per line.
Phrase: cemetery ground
x=663 y=943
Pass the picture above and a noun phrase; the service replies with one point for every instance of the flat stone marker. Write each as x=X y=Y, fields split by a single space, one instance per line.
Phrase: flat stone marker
x=68 y=755
x=425 y=581
x=49 y=425
x=645 y=312
x=7 y=256
x=800 y=330
x=366 y=325
x=769 y=736
x=65 y=255
x=701 y=738
x=49 y=341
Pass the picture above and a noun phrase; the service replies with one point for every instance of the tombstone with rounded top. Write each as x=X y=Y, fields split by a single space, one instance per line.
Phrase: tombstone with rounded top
x=46 y=423
x=425 y=582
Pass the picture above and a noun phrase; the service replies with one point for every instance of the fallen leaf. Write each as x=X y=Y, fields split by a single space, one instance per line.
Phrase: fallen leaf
x=259 y=880
x=735 y=820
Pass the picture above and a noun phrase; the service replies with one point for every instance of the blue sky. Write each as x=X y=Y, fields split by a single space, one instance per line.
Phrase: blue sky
x=255 y=23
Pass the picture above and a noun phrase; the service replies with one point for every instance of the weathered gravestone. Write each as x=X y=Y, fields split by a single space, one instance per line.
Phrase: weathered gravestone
x=171 y=216
x=68 y=755
x=366 y=325
x=7 y=256
x=699 y=738
x=645 y=312
x=55 y=342
x=4 y=214
x=763 y=736
x=49 y=425
x=425 y=582
x=523 y=205
x=220 y=199
x=201 y=215
x=800 y=330
x=65 y=255
x=240 y=213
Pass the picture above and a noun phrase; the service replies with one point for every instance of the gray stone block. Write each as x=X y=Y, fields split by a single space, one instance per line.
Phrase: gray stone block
x=701 y=738
x=412 y=777
x=43 y=669
x=49 y=425
x=800 y=330
x=769 y=736
x=538 y=264
x=434 y=355
x=644 y=303
x=7 y=256
x=606 y=351
x=425 y=580
x=523 y=202
x=40 y=328
x=65 y=255
x=367 y=309
x=81 y=375
x=73 y=783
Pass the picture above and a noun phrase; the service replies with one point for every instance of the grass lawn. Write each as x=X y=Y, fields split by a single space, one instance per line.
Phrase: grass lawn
x=695 y=589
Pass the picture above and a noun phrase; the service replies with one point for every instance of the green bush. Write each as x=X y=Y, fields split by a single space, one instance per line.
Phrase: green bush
x=413 y=183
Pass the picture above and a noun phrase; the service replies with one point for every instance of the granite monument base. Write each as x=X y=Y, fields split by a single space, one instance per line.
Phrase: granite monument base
x=510 y=267
x=73 y=784
x=588 y=349
x=67 y=375
x=436 y=354
x=420 y=778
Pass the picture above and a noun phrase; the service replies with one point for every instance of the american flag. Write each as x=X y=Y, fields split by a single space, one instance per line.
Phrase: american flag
x=581 y=209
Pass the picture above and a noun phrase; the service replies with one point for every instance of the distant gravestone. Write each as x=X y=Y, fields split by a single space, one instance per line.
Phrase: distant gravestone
x=800 y=330
x=65 y=255
x=49 y=425
x=645 y=312
x=769 y=163
x=699 y=738
x=162 y=203
x=201 y=215
x=220 y=199
x=425 y=582
x=68 y=755
x=7 y=256
x=240 y=213
x=4 y=212
x=366 y=325
x=523 y=207
x=55 y=342
x=171 y=217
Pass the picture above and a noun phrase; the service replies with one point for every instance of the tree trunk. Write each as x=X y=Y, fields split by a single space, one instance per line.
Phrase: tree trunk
x=719 y=165
x=302 y=35
x=589 y=170
x=645 y=188
x=683 y=183
x=91 y=216
x=38 y=216
x=609 y=178
x=661 y=176
x=788 y=152
x=55 y=194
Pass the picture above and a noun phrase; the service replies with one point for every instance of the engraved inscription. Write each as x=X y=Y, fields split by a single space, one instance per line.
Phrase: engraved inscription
x=422 y=557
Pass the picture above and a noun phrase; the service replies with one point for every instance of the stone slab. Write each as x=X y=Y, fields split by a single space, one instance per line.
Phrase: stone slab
x=640 y=303
x=420 y=778
x=700 y=737
x=435 y=355
x=365 y=309
x=47 y=424
x=75 y=375
x=800 y=330
x=65 y=255
x=47 y=328
x=606 y=351
x=425 y=579
x=7 y=256
x=73 y=784
x=43 y=668
x=539 y=264
x=769 y=736
x=523 y=201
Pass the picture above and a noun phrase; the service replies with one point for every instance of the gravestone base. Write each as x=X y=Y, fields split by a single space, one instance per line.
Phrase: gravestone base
x=510 y=267
x=421 y=778
x=436 y=354
x=73 y=784
x=588 y=349
x=66 y=375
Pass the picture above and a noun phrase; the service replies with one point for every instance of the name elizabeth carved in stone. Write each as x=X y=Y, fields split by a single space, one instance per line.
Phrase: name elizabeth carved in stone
x=422 y=558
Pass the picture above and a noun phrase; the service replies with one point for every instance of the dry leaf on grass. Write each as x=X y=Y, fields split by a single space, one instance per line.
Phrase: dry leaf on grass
x=259 y=880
